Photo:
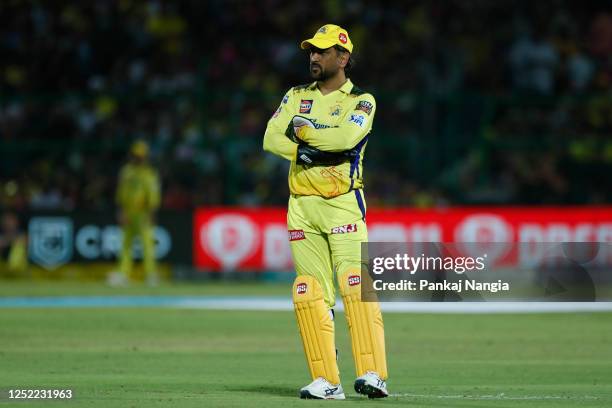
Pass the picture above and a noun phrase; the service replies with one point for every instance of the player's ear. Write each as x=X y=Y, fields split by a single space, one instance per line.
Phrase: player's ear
x=343 y=58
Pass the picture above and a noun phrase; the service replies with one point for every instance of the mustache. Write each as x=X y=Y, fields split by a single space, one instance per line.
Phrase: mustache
x=314 y=64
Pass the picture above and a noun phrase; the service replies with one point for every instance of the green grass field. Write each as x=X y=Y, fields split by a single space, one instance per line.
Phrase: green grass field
x=154 y=357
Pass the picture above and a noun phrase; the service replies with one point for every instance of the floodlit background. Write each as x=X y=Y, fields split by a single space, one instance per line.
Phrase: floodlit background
x=479 y=103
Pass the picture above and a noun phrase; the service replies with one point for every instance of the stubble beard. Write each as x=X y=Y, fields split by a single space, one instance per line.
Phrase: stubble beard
x=320 y=74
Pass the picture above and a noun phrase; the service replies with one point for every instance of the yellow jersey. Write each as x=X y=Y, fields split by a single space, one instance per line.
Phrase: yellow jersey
x=342 y=120
x=138 y=189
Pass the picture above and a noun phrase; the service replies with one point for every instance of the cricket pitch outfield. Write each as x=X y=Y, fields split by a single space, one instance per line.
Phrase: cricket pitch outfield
x=167 y=357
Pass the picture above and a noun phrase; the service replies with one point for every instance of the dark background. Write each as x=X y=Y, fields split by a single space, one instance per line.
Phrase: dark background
x=479 y=102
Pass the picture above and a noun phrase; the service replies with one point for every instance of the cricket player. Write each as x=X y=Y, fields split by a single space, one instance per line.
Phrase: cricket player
x=138 y=197
x=13 y=246
x=322 y=129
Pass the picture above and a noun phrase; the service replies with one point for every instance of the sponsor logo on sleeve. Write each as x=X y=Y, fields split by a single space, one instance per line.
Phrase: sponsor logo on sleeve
x=344 y=229
x=306 y=105
x=354 y=280
x=342 y=38
x=296 y=235
x=364 y=106
x=358 y=119
x=278 y=111
x=301 y=288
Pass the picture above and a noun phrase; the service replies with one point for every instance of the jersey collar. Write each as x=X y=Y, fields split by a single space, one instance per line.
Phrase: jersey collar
x=346 y=88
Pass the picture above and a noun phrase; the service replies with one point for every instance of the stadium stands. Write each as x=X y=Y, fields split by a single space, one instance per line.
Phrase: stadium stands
x=476 y=105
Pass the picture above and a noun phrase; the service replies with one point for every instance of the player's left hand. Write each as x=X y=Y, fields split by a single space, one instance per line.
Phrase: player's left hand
x=310 y=156
x=299 y=121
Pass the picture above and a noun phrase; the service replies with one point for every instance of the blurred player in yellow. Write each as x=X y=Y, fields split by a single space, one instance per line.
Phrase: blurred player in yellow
x=322 y=129
x=138 y=197
x=13 y=246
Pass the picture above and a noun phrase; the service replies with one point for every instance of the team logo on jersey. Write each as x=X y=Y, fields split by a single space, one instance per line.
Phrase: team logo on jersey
x=354 y=280
x=344 y=229
x=335 y=110
x=358 y=119
x=342 y=38
x=296 y=235
x=301 y=288
x=364 y=106
x=305 y=105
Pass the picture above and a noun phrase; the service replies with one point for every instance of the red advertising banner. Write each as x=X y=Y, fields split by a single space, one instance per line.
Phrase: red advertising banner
x=228 y=238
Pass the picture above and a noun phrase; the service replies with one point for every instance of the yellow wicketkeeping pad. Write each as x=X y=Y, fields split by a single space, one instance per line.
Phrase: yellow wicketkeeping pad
x=365 y=325
x=316 y=328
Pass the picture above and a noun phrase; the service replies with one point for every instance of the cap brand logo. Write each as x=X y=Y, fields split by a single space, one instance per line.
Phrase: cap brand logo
x=342 y=38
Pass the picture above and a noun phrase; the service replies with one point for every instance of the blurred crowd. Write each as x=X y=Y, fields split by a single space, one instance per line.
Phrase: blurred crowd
x=479 y=102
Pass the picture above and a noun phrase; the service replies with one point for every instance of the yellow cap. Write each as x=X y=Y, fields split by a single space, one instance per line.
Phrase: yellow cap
x=328 y=36
x=140 y=149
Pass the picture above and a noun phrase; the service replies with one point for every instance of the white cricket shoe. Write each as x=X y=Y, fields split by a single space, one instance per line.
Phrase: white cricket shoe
x=117 y=279
x=372 y=385
x=153 y=280
x=322 y=389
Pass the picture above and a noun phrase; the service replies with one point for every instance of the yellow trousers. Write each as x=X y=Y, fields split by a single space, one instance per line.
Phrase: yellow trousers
x=325 y=236
x=137 y=225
